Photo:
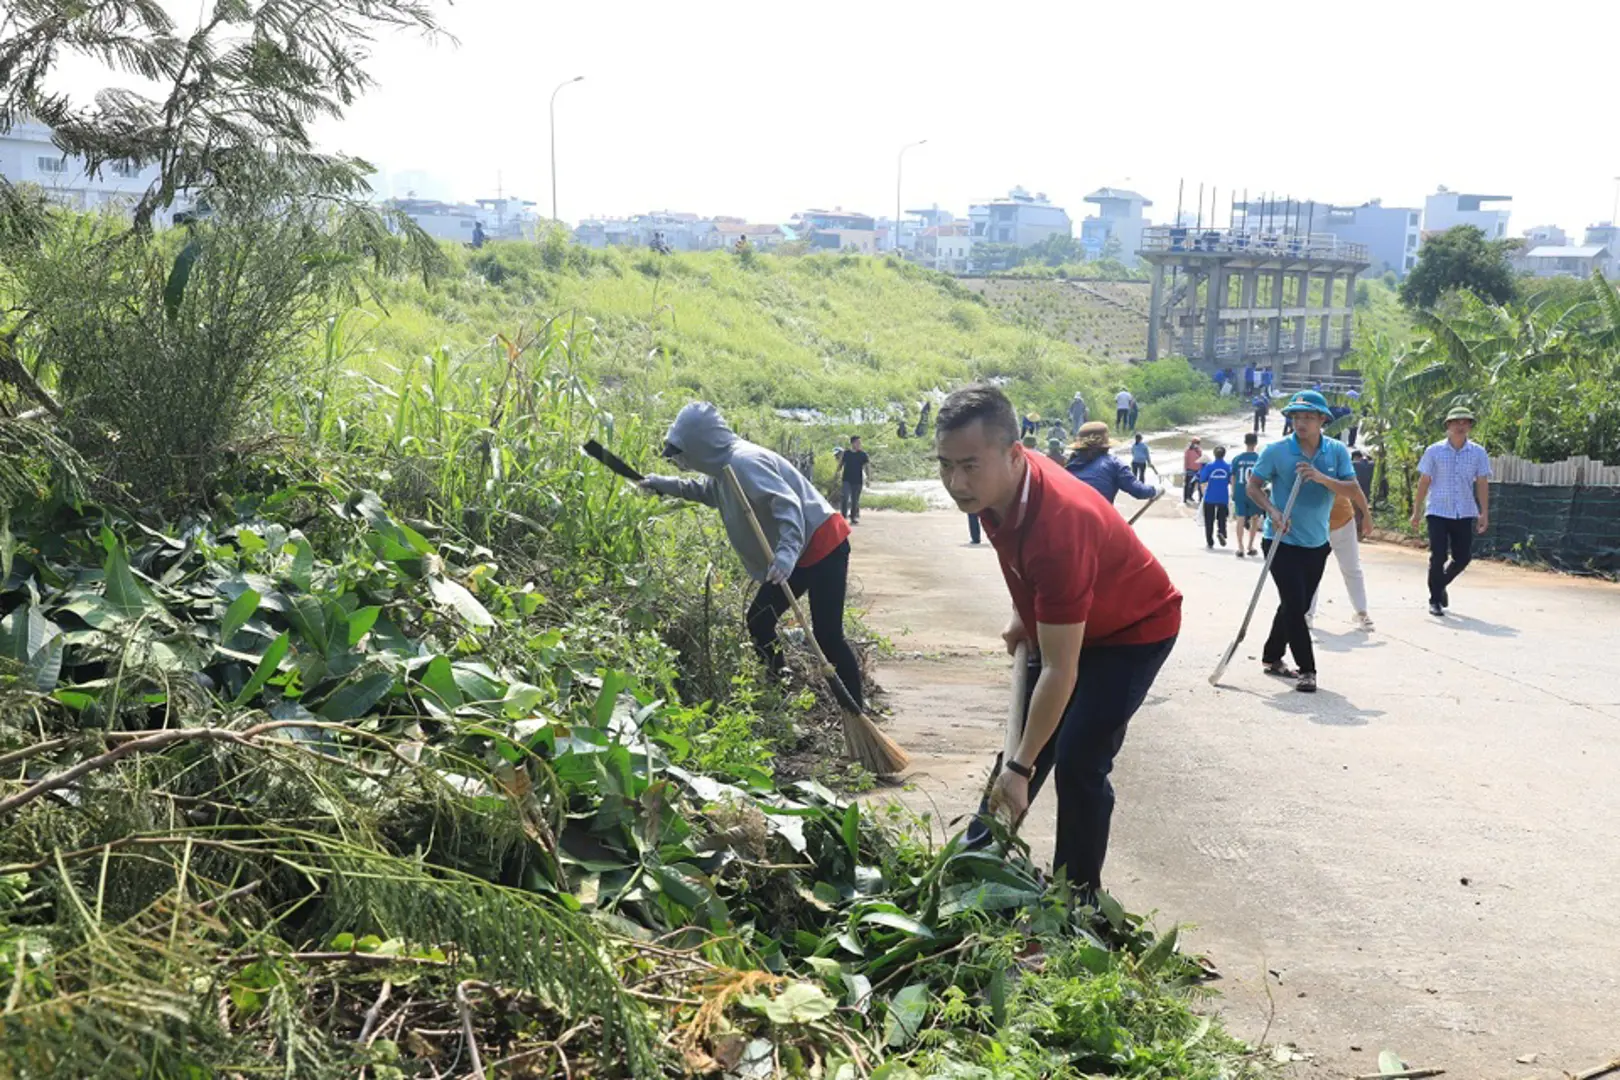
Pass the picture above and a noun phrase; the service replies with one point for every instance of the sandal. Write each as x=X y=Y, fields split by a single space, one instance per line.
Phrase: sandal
x=1307 y=683
x=1280 y=670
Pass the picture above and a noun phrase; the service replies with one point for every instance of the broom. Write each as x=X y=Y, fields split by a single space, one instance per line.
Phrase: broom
x=863 y=741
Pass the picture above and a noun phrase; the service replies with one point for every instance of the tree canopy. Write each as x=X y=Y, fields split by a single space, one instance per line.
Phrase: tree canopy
x=1461 y=258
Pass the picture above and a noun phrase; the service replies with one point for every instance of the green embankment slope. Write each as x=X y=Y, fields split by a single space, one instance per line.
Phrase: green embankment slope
x=825 y=332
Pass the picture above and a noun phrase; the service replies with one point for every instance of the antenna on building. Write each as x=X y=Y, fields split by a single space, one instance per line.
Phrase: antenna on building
x=1181 y=185
x=1200 y=224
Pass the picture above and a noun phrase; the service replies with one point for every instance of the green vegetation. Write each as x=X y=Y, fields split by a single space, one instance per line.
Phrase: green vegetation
x=1540 y=373
x=1460 y=258
x=894 y=500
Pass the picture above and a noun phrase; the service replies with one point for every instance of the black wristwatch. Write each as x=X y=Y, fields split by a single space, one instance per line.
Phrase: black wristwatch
x=1022 y=770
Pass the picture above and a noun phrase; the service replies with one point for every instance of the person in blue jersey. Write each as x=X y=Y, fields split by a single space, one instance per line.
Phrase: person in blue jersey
x=1321 y=467
x=1216 y=480
x=1245 y=515
x=1090 y=461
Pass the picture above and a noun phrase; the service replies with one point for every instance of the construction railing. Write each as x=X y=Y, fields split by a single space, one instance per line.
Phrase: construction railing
x=1171 y=239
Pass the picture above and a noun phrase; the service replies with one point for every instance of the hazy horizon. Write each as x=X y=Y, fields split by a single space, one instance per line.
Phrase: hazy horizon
x=762 y=111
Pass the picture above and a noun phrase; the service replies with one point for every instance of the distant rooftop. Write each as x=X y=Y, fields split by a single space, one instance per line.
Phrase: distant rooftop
x=1102 y=194
x=1554 y=251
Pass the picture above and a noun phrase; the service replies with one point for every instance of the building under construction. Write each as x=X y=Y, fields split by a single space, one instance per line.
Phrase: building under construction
x=1282 y=299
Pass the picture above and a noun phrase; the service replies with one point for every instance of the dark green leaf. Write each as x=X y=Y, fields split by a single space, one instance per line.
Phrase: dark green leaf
x=124 y=593
x=237 y=615
x=440 y=681
x=907 y=1011
x=852 y=831
x=267 y=667
x=357 y=698
x=361 y=622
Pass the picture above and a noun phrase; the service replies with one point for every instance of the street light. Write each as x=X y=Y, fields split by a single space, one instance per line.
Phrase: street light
x=554 y=93
x=899 y=163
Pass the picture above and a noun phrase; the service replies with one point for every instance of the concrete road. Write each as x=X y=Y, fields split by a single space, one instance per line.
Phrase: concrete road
x=1425 y=856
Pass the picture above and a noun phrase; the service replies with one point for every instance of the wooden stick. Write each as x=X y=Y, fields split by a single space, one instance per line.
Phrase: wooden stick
x=1596 y=1071
x=1408 y=1074
x=465 y=1008
x=1259 y=586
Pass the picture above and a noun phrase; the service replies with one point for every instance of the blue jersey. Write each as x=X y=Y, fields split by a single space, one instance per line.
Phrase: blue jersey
x=1217 y=480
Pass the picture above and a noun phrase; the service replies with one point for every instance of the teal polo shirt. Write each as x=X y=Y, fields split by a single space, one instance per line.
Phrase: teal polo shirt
x=1308 y=522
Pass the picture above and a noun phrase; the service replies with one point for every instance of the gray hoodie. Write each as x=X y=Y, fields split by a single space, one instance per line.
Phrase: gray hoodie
x=788 y=506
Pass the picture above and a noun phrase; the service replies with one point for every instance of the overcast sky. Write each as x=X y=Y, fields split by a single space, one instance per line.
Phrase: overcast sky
x=761 y=109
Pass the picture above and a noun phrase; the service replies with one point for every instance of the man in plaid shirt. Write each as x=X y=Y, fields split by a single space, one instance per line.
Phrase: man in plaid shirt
x=1456 y=482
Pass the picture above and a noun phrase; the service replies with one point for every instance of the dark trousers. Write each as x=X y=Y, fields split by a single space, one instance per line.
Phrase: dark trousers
x=973 y=527
x=849 y=502
x=1113 y=681
x=1189 y=485
x=1214 y=520
x=1288 y=424
x=1139 y=470
x=1122 y=418
x=1260 y=420
x=1297 y=572
x=1448 y=536
x=825 y=581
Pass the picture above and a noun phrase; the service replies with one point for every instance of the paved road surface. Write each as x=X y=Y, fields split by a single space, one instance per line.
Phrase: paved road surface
x=1426 y=853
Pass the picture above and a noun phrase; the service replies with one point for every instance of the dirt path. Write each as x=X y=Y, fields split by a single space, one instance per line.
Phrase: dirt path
x=1424 y=854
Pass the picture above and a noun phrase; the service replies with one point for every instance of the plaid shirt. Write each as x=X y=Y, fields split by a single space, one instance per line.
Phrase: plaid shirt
x=1452 y=473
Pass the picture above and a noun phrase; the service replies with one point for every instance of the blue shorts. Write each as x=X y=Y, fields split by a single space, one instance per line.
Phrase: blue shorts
x=1242 y=507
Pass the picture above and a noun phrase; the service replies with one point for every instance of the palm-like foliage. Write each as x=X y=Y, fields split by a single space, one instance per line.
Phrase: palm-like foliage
x=1538 y=373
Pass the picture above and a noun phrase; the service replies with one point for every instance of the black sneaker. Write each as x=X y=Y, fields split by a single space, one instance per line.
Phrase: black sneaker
x=1445 y=597
x=1436 y=609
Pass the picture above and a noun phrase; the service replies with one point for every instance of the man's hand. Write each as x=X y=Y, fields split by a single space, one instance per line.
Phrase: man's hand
x=1010 y=795
x=1364 y=531
x=645 y=486
x=776 y=575
x=1484 y=522
x=1417 y=521
x=1278 y=525
x=1307 y=471
x=1014 y=634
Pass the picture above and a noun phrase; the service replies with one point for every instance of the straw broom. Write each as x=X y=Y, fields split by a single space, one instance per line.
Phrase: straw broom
x=875 y=751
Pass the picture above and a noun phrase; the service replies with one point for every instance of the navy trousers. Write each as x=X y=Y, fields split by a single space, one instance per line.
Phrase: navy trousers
x=1113 y=682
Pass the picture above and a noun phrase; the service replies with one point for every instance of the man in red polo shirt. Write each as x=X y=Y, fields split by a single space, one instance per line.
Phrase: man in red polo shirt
x=1096 y=607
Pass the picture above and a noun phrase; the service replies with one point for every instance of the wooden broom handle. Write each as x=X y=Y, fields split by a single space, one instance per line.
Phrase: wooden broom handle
x=770 y=557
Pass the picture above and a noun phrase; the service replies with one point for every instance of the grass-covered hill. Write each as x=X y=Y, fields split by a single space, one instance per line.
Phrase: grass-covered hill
x=827 y=332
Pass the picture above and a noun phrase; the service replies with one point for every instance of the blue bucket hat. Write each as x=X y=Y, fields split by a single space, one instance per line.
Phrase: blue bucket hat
x=1308 y=401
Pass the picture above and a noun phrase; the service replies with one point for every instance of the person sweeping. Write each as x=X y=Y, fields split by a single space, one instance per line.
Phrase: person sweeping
x=1321 y=466
x=1095 y=609
x=1090 y=461
x=808 y=539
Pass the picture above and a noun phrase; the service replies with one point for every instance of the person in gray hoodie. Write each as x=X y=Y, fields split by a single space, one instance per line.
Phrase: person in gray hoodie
x=809 y=539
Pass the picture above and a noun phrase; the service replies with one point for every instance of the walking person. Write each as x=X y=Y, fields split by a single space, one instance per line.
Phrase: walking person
x=1123 y=403
x=809 y=540
x=1141 y=458
x=1249 y=384
x=1136 y=407
x=1090 y=462
x=1348 y=525
x=1216 y=481
x=1262 y=411
x=1077 y=412
x=1455 y=479
x=854 y=468
x=1095 y=607
x=1245 y=515
x=1322 y=466
x=973 y=528
x=1054 y=450
x=1192 y=459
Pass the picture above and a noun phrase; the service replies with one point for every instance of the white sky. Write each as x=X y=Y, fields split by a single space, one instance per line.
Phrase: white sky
x=761 y=109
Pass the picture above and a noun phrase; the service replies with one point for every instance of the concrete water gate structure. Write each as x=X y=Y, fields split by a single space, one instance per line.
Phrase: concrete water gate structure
x=1232 y=297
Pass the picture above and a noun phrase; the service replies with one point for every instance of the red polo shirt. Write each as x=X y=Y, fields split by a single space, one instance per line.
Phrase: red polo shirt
x=1069 y=557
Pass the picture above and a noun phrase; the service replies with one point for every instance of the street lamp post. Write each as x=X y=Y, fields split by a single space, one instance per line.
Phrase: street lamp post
x=899 y=164
x=554 y=93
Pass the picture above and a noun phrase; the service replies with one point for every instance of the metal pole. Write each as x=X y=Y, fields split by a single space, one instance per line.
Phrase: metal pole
x=1200 y=224
x=899 y=164
x=1181 y=186
x=560 y=85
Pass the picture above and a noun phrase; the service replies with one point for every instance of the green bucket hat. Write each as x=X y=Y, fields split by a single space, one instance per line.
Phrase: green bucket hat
x=1308 y=401
x=1460 y=412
